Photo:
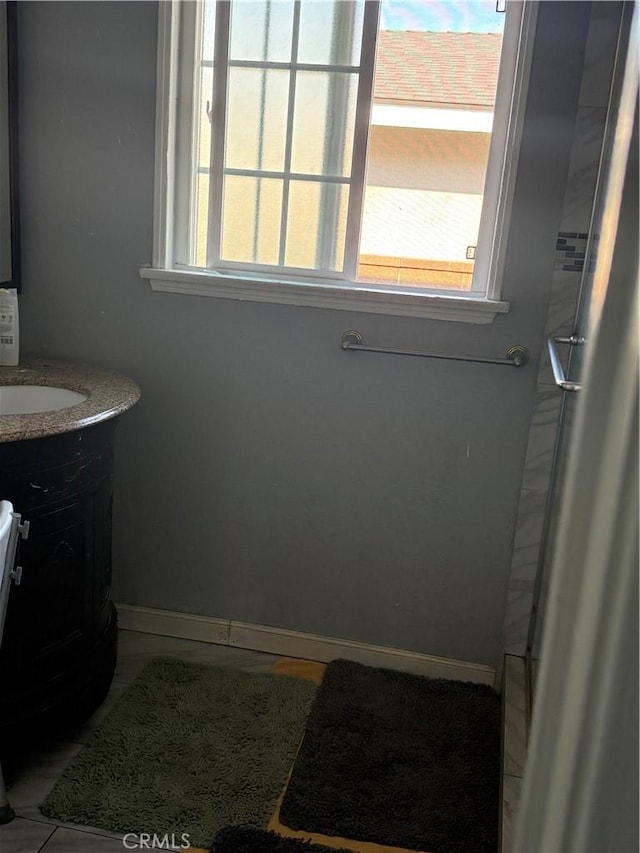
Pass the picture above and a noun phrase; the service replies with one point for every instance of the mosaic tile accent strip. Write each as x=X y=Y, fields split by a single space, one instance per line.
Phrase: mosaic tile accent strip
x=571 y=247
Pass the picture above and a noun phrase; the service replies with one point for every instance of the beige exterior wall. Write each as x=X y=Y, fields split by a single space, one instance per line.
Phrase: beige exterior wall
x=423 y=202
x=429 y=160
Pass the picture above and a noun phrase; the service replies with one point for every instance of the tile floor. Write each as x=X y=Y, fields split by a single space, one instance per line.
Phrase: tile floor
x=32 y=832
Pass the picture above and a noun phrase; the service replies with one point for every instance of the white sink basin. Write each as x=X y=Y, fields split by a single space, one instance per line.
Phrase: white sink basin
x=28 y=399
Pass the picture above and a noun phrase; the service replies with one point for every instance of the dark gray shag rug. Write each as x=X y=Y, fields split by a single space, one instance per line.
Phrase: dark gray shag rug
x=247 y=840
x=400 y=760
x=188 y=748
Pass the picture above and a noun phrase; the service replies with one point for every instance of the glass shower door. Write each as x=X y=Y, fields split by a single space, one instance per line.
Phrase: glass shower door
x=569 y=385
x=570 y=351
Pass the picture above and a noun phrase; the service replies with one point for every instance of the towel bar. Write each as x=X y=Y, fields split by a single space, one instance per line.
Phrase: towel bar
x=516 y=356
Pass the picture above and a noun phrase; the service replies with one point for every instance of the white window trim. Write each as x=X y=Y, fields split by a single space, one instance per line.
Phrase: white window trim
x=470 y=307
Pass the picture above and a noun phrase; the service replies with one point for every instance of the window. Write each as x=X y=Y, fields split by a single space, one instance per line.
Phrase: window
x=344 y=153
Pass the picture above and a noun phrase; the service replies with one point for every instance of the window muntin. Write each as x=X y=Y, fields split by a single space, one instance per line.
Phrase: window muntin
x=329 y=216
x=281 y=135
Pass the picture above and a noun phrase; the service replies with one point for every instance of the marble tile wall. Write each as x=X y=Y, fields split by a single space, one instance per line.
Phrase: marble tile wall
x=577 y=205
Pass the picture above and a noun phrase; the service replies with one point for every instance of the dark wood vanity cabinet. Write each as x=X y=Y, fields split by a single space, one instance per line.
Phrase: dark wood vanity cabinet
x=60 y=640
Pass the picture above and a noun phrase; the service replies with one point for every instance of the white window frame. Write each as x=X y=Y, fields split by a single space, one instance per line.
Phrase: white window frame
x=173 y=148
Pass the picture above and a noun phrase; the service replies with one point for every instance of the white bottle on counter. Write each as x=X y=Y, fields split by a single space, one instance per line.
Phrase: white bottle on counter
x=9 y=327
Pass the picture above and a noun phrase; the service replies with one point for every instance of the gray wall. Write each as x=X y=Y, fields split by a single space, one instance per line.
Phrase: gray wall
x=265 y=475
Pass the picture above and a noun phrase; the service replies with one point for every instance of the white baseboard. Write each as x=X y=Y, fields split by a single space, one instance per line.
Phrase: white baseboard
x=295 y=644
x=170 y=623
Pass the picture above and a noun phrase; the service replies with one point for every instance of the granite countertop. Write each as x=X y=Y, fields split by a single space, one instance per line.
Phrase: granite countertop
x=109 y=394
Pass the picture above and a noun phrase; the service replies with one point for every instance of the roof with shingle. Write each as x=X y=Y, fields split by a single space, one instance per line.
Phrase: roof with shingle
x=459 y=69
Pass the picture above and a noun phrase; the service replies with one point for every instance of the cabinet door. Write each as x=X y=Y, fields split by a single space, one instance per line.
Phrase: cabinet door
x=49 y=617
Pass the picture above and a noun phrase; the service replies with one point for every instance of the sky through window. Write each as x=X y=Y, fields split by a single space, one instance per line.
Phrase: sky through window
x=463 y=16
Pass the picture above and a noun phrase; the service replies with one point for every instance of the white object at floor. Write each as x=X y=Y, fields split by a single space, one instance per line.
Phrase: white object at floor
x=10 y=529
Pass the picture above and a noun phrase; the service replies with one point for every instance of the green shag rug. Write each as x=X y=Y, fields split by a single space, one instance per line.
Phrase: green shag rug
x=188 y=748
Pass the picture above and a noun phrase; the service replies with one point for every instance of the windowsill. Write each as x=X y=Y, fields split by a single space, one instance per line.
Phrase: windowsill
x=364 y=297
